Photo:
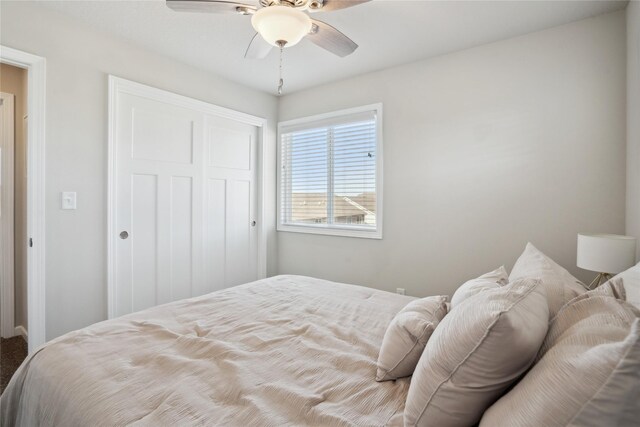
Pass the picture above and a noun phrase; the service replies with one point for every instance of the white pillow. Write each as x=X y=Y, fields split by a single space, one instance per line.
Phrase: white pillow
x=407 y=335
x=560 y=286
x=477 y=351
x=491 y=280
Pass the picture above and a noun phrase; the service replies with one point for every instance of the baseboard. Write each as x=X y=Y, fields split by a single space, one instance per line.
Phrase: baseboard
x=20 y=330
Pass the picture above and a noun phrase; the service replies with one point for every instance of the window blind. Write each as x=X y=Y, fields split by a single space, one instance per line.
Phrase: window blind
x=328 y=176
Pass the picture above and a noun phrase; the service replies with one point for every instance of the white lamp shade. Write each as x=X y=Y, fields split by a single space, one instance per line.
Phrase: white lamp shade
x=606 y=253
x=276 y=23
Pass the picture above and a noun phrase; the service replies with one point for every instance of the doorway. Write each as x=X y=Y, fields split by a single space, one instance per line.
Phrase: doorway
x=13 y=214
x=22 y=183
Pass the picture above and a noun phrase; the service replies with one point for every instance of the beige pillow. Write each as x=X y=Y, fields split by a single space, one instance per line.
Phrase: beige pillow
x=631 y=279
x=476 y=352
x=491 y=280
x=586 y=374
x=407 y=335
x=560 y=286
x=612 y=288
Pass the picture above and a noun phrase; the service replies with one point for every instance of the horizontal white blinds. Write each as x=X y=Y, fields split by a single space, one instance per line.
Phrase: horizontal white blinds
x=329 y=172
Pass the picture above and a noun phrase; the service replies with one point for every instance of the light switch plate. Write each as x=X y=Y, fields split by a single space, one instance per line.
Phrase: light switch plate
x=69 y=200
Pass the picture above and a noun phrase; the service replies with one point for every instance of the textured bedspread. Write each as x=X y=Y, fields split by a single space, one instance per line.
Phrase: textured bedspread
x=288 y=350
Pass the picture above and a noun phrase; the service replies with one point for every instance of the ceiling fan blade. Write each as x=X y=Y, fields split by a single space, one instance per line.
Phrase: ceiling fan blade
x=329 y=5
x=258 y=48
x=327 y=37
x=211 y=6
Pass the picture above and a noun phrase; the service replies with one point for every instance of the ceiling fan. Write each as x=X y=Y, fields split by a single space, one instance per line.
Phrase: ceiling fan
x=280 y=23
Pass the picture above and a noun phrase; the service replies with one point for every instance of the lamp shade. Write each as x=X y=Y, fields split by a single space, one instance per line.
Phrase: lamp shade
x=281 y=23
x=606 y=253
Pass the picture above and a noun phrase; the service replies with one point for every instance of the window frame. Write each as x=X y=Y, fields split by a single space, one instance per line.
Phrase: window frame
x=333 y=229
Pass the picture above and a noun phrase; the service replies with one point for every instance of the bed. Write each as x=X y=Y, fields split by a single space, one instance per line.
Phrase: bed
x=288 y=350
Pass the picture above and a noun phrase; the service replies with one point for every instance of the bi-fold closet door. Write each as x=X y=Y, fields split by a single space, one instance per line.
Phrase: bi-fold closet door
x=186 y=203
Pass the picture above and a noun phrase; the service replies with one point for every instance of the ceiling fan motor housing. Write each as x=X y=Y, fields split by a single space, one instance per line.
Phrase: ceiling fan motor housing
x=290 y=3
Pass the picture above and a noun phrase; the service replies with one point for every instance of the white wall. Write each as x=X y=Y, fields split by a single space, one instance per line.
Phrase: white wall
x=633 y=121
x=485 y=149
x=78 y=62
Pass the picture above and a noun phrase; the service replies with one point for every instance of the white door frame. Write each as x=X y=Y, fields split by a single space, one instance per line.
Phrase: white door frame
x=36 y=106
x=118 y=86
x=7 y=300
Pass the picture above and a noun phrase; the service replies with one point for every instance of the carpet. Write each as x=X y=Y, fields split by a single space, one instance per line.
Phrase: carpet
x=12 y=352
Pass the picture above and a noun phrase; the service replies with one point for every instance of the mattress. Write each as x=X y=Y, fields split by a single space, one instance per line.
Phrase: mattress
x=288 y=350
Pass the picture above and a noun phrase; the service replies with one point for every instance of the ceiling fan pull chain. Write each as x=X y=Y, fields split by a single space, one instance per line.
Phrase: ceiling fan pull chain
x=281 y=81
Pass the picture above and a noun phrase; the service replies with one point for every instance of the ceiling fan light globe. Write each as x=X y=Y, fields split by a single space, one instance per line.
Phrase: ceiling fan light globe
x=281 y=23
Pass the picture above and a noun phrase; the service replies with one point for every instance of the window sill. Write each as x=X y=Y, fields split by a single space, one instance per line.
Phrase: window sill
x=332 y=231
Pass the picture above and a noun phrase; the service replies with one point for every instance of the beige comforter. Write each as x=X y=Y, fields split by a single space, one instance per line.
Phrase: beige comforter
x=288 y=350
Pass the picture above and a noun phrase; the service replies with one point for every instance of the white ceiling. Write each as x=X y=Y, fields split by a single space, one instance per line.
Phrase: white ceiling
x=389 y=32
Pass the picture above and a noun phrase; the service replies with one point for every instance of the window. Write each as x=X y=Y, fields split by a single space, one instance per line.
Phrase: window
x=330 y=176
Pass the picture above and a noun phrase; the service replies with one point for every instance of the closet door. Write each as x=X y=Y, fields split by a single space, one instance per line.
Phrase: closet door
x=230 y=213
x=185 y=202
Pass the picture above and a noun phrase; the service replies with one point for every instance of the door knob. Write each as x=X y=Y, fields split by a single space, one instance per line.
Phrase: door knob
x=253 y=223
x=124 y=235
